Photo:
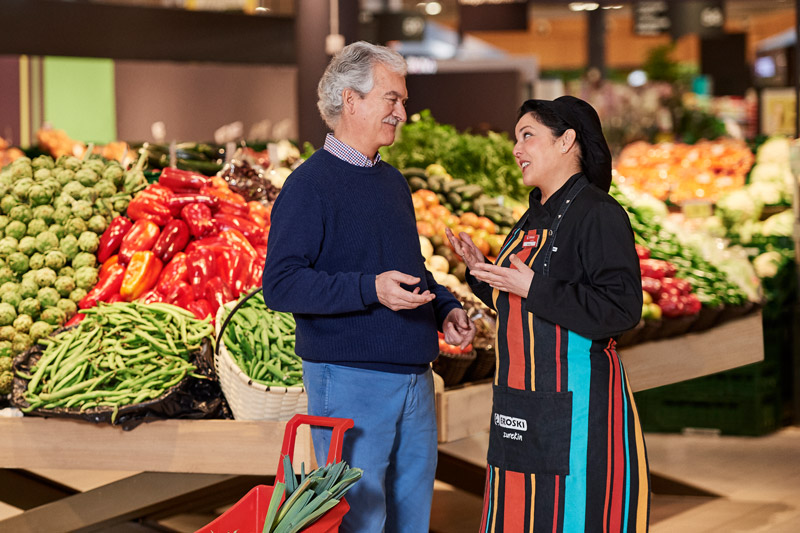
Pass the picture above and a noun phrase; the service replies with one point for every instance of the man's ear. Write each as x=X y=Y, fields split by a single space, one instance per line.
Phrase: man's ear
x=349 y=100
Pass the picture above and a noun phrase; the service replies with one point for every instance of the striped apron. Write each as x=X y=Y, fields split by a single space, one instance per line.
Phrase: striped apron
x=566 y=451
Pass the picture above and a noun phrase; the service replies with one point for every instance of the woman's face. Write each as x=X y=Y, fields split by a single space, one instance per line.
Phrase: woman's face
x=537 y=151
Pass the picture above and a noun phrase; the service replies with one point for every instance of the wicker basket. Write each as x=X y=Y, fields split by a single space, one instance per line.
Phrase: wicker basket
x=250 y=400
x=482 y=366
x=453 y=366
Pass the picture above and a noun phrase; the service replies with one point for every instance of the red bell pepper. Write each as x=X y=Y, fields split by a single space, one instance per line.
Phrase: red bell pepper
x=215 y=243
x=179 y=294
x=200 y=308
x=113 y=260
x=114 y=299
x=141 y=274
x=231 y=208
x=221 y=190
x=76 y=319
x=217 y=293
x=259 y=221
x=112 y=237
x=151 y=204
x=234 y=269
x=235 y=238
x=180 y=180
x=150 y=296
x=175 y=271
x=249 y=229
x=106 y=287
x=642 y=251
x=201 y=268
x=198 y=218
x=142 y=236
x=172 y=240
x=254 y=272
x=179 y=201
x=257 y=208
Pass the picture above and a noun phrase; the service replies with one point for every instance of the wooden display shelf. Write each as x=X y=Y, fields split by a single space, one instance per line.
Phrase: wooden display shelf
x=465 y=410
x=186 y=446
x=174 y=465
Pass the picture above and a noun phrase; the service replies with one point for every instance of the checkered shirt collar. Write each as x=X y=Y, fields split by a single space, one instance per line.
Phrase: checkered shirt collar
x=347 y=153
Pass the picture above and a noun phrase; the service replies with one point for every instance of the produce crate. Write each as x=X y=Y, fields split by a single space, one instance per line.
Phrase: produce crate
x=665 y=412
x=742 y=401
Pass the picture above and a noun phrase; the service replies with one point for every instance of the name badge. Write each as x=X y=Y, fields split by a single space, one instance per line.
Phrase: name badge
x=531 y=239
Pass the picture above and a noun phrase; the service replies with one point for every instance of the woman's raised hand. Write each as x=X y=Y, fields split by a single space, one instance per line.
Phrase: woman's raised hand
x=465 y=248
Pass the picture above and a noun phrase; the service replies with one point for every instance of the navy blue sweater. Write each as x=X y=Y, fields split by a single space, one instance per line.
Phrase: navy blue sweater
x=335 y=227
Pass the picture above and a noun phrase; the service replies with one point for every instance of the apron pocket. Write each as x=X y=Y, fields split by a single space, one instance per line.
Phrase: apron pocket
x=530 y=431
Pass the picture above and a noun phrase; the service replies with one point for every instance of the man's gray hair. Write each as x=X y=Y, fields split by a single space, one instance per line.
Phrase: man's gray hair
x=352 y=68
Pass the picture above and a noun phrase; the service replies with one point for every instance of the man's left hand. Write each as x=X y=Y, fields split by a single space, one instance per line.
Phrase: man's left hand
x=458 y=329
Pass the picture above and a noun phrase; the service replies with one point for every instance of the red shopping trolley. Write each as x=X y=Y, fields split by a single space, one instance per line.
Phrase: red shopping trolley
x=248 y=514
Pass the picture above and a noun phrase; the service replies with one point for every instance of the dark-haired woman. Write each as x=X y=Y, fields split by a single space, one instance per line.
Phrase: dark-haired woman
x=566 y=451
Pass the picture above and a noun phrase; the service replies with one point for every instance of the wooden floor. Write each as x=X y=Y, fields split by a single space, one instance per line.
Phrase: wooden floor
x=754 y=485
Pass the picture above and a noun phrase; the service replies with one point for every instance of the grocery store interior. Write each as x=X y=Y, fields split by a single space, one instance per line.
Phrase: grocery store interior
x=144 y=142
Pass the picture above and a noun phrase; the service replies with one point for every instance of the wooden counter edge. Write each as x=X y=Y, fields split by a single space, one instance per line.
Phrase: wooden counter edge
x=189 y=446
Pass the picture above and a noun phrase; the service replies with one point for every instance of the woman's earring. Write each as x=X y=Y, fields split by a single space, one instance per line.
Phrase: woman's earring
x=563 y=150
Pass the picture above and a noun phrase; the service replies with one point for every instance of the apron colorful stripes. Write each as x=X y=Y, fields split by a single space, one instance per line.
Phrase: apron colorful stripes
x=566 y=451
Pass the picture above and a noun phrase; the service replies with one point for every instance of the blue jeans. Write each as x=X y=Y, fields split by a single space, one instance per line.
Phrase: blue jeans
x=393 y=440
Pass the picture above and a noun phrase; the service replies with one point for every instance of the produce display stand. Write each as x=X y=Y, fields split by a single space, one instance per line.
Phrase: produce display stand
x=465 y=410
x=186 y=464
x=175 y=464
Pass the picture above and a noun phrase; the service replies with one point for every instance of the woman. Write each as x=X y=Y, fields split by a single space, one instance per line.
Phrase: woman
x=566 y=452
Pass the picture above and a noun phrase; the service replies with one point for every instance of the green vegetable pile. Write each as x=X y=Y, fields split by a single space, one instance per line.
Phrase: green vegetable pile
x=120 y=354
x=487 y=160
x=310 y=498
x=261 y=342
x=6 y=375
x=51 y=216
x=711 y=285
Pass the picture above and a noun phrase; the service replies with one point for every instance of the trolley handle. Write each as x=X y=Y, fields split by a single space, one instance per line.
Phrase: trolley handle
x=339 y=426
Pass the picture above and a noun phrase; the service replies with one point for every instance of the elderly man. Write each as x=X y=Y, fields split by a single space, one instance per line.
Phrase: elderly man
x=344 y=258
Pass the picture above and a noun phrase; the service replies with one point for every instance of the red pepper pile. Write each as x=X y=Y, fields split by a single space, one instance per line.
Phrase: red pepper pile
x=187 y=240
x=673 y=295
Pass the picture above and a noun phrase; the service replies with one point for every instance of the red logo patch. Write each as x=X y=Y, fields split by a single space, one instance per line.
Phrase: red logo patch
x=531 y=239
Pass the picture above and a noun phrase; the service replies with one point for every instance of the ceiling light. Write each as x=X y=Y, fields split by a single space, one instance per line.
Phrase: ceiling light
x=583 y=6
x=637 y=78
x=433 y=8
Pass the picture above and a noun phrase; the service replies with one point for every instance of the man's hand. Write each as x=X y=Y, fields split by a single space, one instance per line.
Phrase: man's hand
x=515 y=280
x=395 y=297
x=458 y=329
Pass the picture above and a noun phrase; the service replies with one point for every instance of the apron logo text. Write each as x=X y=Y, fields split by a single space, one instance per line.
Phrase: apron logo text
x=512 y=436
x=509 y=422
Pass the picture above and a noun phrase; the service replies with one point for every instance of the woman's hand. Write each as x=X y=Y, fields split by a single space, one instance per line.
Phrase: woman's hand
x=516 y=280
x=465 y=249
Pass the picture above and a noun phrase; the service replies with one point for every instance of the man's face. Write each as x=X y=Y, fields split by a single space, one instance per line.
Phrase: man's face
x=380 y=111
